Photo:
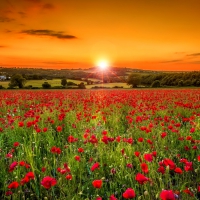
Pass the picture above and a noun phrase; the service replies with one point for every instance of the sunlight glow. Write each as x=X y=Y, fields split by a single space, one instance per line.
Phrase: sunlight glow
x=103 y=64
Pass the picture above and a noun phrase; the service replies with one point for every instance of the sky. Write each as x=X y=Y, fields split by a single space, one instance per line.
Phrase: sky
x=141 y=34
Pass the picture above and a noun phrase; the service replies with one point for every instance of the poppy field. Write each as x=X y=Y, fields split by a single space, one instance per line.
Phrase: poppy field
x=105 y=144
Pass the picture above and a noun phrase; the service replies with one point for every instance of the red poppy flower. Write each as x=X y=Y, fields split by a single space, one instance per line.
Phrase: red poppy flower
x=187 y=191
x=22 y=163
x=69 y=177
x=77 y=158
x=163 y=135
x=137 y=153
x=99 y=198
x=129 y=194
x=43 y=169
x=129 y=165
x=30 y=175
x=112 y=197
x=178 y=170
x=24 y=180
x=45 y=129
x=21 y=124
x=104 y=132
x=59 y=128
x=170 y=163
x=148 y=157
x=13 y=185
x=47 y=182
x=8 y=193
x=97 y=183
x=140 y=139
x=167 y=195
x=16 y=144
x=80 y=150
x=161 y=169
x=141 y=178
x=12 y=166
x=144 y=167
x=95 y=166
x=198 y=158
x=188 y=166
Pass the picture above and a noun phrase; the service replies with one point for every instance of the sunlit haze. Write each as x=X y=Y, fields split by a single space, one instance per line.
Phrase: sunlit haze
x=68 y=34
x=102 y=64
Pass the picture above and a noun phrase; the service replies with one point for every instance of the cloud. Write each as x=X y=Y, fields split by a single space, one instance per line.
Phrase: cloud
x=48 y=6
x=171 y=61
x=60 y=63
x=57 y=34
x=7 y=31
x=179 y=52
x=6 y=19
x=22 y=14
x=33 y=1
x=196 y=62
x=3 y=46
x=194 y=54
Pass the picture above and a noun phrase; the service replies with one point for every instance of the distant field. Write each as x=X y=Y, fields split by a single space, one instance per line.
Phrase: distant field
x=57 y=82
x=111 y=85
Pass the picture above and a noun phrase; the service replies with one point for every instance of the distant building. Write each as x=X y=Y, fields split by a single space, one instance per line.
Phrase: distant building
x=2 y=78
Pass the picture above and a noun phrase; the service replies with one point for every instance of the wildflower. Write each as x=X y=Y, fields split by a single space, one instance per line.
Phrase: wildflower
x=95 y=166
x=141 y=179
x=13 y=185
x=59 y=128
x=77 y=158
x=112 y=197
x=144 y=167
x=97 y=183
x=148 y=157
x=16 y=144
x=167 y=195
x=69 y=177
x=129 y=194
x=48 y=182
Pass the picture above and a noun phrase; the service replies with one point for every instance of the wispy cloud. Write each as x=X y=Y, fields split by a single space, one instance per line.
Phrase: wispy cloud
x=60 y=63
x=33 y=1
x=3 y=46
x=6 y=19
x=50 y=33
x=48 y=6
x=194 y=54
x=196 y=62
x=180 y=53
x=22 y=14
x=172 y=61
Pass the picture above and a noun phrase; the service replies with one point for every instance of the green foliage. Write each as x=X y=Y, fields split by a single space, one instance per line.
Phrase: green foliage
x=134 y=80
x=70 y=83
x=180 y=83
x=17 y=80
x=46 y=85
x=81 y=86
x=64 y=82
x=156 y=84
x=1 y=87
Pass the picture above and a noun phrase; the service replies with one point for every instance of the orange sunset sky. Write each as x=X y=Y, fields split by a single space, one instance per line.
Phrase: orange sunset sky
x=144 y=34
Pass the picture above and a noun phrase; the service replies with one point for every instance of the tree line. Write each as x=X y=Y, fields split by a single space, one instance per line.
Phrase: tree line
x=165 y=79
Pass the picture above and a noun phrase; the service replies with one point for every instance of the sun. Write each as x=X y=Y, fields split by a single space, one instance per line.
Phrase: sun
x=103 y=64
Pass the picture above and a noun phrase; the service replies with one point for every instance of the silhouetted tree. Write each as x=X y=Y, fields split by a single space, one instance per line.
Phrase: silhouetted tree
x=46 y=85
x=81 y=86
x=64 y=82
x=134 y=80
x=155 y=84
x=17 y=80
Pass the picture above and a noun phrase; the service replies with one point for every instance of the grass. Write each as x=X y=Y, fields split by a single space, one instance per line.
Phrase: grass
x=57 y=82
x=109 y=126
